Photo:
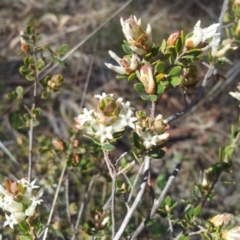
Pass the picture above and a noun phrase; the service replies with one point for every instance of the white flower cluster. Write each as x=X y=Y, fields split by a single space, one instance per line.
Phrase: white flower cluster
x=218 y=48
x=101 y=125
x=154 y=133
x=18 y=200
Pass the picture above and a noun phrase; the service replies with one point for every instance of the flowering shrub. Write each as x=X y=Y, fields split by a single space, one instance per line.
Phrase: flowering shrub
x=155 y=68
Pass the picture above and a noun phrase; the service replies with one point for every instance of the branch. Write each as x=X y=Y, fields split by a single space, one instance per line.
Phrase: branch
x=158 y=202
x=137 y=200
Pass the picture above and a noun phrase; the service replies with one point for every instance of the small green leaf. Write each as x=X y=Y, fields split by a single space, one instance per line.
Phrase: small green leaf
x=139 y=87
x=126 y=48
x=23 y=225
x=168 y=201
x=19 y=91
x=163 y=46
x=11 y=96
x=197 y=210
x=36 y=123
x=25 y=237
x=160 y=89
x=151 y=222
x=63 y=49
x=37 y=111
x=121 y=76
x=160 y=67
x=30 y=76
x=178 y=45
x=24 y=70
x=228 y=150
x=151 y=98
x=194 y=52
x=156 y=153
x=108 y=147
x=45 y=95
x=132 y=77
x=174 y=71
x=40 y=64
x=30 y=30
x=137 y=141
x=28 y=60
x=59 y=61
x=175 y=81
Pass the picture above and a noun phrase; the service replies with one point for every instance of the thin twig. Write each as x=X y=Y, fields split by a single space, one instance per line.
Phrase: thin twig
x=67 y=203
x=135 y=183
x=30 y=132
x=85 y=200
x=88 y=75
x=158 y=202
x=7 y=152
x=54 y=200
x=136 y=201
x=113 y=174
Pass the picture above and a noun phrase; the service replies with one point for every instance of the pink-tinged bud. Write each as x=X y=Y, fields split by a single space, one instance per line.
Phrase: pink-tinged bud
x=24 y=45
x=145 y=75
x=173 y=38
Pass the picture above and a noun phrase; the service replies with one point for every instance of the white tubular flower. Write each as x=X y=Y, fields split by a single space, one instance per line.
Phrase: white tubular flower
x=105 y=133
x=226 y=45
x=10 y=220
x=100 y=97
x=201 y=35
x=85 y=116
x=235 y=95
x=127 y=65
x=214 y=44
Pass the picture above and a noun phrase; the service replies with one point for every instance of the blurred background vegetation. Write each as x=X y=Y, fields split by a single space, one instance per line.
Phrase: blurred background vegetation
x=194 y=140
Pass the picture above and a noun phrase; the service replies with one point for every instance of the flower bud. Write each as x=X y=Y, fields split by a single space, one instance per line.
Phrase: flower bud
x=159 y=125
x=140 y=41
x=24 y=45
x=172 y=39
x=145 y=75
x=109 y=109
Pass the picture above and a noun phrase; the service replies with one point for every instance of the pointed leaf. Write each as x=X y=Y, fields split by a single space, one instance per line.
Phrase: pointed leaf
x=151 y=98
x=174 y=71
x=163 y=46
x=132 y=77
x=156 y=153
x=19 y=91
x=126 y=48
x=139 y=87
x=108 y=147
x=175 y=81
x=40 y=64
x=63 y=49
x=160 y=67
x=160 y=89
x=137 y=141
